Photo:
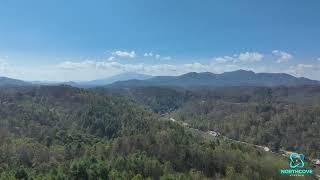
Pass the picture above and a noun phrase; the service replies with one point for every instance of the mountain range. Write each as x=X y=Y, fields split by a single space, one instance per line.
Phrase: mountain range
x=119 y=77
x=97 y=82
x=9 y=82
x=192 y=79
x=208 y=79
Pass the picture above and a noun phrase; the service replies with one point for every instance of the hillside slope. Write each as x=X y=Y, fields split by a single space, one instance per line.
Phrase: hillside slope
x=60 y=132
x=9 y=82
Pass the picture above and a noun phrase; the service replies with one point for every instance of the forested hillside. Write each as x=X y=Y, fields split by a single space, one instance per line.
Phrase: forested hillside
x=60 y=132
x=279 y=117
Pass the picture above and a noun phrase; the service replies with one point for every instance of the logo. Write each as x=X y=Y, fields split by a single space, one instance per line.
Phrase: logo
x=296 y=164
x=296 y=160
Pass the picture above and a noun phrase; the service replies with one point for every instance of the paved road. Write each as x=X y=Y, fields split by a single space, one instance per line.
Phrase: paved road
x=209 y=135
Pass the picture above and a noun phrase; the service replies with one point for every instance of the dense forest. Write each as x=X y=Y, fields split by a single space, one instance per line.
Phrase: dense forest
x=285 y=118
x=61 y=132
x=262 y=117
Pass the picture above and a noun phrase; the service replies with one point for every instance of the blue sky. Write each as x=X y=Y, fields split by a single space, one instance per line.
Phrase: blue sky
x=83 y=40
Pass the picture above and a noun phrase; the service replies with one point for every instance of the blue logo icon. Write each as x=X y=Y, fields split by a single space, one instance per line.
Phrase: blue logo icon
x=296 y=160
x=296 y=166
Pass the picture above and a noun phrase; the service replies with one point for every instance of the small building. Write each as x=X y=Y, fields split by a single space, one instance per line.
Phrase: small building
x=266 y=149
x=214 y=134
x=185 y=124
x=173 y=120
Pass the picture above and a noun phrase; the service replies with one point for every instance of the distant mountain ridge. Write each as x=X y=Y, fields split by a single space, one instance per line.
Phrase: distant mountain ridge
x=99 y=82
x=192 y=79
x=5 y=82
x=234 y=78
x=115 y=78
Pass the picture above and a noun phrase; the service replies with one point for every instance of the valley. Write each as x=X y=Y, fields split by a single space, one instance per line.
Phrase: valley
x=156 y=132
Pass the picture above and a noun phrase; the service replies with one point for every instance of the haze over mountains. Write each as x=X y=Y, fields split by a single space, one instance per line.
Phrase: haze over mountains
x=192 y=79
x=119 y=77
x=98 y=82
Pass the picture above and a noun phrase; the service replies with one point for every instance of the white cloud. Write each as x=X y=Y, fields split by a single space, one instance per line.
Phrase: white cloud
x=7 y=70
x=302 y=67
x=156 y=56
x=76 y=65
x=282 y=56
x=305 y=70
x=318 y=59
x=111 y=58
x=167 y=58
x=246 y=57
x=80 y=69
x=250 y=57
x=150 y=54
x=87 y=70
x=93 y=69
x=124 y=54
x=3 y=66
x=224 y=59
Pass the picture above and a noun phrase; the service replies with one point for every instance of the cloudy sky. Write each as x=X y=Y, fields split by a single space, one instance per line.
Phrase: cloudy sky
x=60 y=40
